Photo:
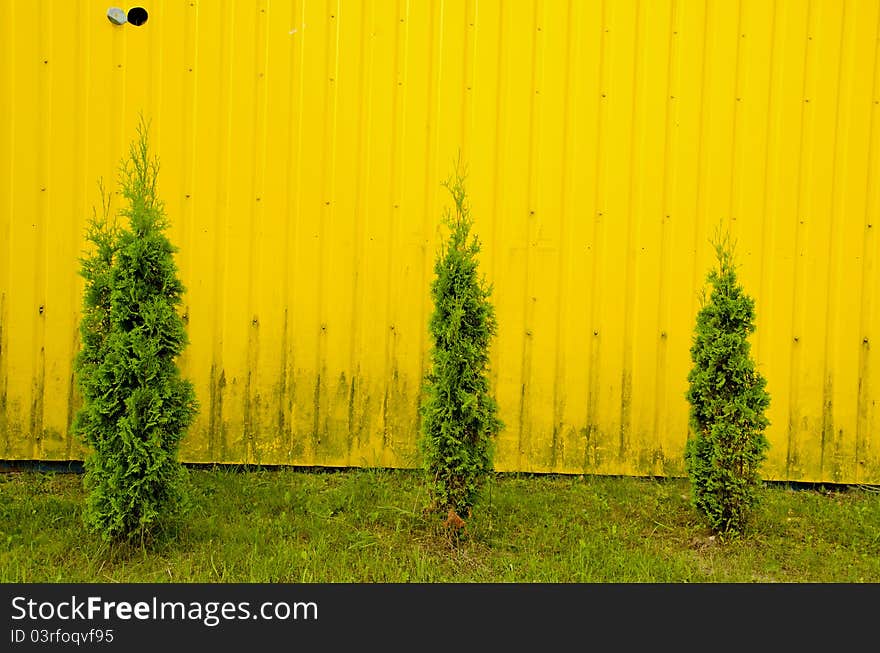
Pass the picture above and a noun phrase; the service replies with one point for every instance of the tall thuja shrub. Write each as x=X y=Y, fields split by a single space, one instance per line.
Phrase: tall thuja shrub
x=459 y=415
x=727 y=398
x=136 y=406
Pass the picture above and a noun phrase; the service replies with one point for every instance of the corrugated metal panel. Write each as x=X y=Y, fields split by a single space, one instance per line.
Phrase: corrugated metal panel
x=303 y=144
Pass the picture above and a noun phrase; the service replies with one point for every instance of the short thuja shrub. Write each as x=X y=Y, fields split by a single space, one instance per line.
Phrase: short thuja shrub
x=727 y=398
x=459 y=415
x=136 y=406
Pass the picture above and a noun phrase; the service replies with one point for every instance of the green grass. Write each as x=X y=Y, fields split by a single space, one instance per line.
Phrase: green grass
x=368 y=526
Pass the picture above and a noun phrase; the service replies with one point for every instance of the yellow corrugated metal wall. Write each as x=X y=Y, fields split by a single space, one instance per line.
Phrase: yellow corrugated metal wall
x=303 y=143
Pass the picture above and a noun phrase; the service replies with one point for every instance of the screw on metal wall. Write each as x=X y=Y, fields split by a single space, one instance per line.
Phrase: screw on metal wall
x=116 y=15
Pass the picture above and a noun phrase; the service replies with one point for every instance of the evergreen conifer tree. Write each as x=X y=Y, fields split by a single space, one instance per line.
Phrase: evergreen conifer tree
x=727 y=398
x=136 y=406
x=459 y=415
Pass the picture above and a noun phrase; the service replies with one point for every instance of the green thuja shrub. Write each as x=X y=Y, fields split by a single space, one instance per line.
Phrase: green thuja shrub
x=136 y=407
x=727 y=398
x=459 y=415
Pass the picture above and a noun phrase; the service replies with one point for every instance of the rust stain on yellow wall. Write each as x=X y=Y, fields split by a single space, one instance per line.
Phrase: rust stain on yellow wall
x=303 y=144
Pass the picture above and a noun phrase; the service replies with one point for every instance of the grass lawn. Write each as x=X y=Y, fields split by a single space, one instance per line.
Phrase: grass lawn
x=368 y=526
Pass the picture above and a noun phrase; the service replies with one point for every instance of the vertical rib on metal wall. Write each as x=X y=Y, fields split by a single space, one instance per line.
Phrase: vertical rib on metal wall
x=303 y=144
